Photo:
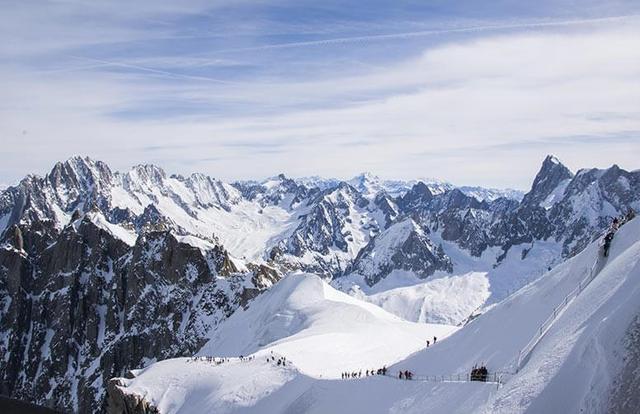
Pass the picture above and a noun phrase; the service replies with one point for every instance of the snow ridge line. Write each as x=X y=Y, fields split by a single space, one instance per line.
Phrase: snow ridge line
x=525 y=352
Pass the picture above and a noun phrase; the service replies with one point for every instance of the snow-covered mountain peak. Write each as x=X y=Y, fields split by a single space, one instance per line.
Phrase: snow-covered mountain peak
x=278 y=190
x=367 y=184
x=364 y=178
x=552 y=174
x=145 y=175
x=79 y=175
x=419 y=194
x=318 y=182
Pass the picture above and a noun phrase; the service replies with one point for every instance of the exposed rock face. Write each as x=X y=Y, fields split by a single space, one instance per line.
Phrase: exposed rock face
x=339 y=222
x=551 y=175
x=403 y=246
x=278 y=190
x=87 y=307
x=120 y=402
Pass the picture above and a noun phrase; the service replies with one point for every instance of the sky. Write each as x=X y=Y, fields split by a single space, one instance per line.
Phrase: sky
x=475 y=93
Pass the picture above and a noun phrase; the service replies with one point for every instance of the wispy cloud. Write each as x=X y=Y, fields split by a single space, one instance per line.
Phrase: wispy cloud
x=423 y=33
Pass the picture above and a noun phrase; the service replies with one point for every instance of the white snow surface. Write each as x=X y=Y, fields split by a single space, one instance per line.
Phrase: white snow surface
x=556 y=195
x=571 y=369
x=320 y=329
x=445 y=300
x=452 y=298
x=128 y=236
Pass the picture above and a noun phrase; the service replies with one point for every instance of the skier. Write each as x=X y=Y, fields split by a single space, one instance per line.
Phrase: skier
x=434 y=340
x=384 y=370
x=400 y=375
x=428 y=343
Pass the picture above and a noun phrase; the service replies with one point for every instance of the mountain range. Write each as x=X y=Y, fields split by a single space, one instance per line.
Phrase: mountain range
x=102 y=271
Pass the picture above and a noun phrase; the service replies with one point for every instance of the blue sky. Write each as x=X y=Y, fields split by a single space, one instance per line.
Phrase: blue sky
x=471 y=92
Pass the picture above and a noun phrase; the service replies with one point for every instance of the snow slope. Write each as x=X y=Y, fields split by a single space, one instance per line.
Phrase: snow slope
x=321 y=330
x=445 y=300
x=450 y=298
x=572 y=368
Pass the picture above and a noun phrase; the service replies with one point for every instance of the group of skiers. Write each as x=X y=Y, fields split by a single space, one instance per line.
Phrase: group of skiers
x=479 y=373
x=280 y=361
x=367 y=373
x=408 y=375
x=429 y=342
x=209 y=359
x=219 y=360
x=616 y=223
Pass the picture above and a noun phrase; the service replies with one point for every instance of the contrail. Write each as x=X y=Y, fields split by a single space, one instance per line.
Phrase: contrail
x=404 y=35
x=151 y=70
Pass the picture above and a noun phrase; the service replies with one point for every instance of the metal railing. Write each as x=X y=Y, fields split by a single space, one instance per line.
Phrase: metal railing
x=494 y=378
x=525 y=352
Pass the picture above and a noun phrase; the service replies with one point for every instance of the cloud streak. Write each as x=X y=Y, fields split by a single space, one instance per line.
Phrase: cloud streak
x=422 y=33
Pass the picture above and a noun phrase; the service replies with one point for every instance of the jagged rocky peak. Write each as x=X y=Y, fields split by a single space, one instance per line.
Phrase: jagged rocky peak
x=144 y=176
x=368 y=184
x=77 y=183
x=458 y=200
x=419 y=195
x=318 y=182
x=278 y=190
x=402 y=246
x=209 y=192
x=388 y=207
x=80 y=172
x=552 y=174
x=343 y=192
x=329 y=235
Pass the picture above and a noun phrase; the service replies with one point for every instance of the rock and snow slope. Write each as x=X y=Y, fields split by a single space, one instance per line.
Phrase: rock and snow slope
x=576 y=367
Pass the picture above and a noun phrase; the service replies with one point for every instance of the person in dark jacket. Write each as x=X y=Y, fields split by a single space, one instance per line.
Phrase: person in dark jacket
x=607 y=243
